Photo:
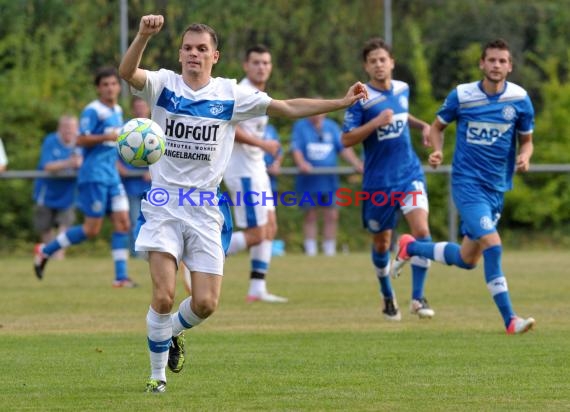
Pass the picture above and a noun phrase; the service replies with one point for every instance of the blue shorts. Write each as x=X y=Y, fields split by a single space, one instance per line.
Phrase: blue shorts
x=98 y=199
x=380 y=211
x=479 y=207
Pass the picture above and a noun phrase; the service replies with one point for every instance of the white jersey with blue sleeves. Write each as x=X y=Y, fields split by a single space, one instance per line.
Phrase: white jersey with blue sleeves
x=487 y=128
x=199 y=126
x=100 y=161
x=389 y=158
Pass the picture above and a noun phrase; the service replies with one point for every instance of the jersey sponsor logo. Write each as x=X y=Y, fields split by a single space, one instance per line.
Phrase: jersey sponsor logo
x=319 y=151
x=485 y=133
x=202 y=133
x=508 y=113
x=394 y=129
x=177 y=154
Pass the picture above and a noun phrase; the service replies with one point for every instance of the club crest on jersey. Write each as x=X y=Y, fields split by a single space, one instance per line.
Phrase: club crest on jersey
x=403 y=100
x=485 y=133
x=509 y=113
x=394 y=129
x=216 y=108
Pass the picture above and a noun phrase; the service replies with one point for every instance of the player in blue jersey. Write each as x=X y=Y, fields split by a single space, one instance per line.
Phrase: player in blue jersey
x=315 y=142
x=392 y=169
x=493 y=116
x=55 y=198
x=199 y=114
x=99 y=185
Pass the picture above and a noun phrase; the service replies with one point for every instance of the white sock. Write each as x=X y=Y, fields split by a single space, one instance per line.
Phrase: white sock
x=257 y=287
x=237 y=243
x=184 y=318
x=310 y=247
x=260 y=256
x=329 y=247
x=159 y=333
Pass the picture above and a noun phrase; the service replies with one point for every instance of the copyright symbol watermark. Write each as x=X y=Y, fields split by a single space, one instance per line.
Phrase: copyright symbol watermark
x=157 y=197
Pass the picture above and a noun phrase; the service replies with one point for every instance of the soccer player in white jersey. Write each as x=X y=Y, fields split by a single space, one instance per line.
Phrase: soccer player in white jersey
x=198 y=114
x=100 y=191
x=392 y=169
x=491 y=115
x=246 y=172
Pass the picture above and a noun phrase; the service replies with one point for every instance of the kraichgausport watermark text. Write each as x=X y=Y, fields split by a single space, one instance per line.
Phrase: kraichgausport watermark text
x=341 y=197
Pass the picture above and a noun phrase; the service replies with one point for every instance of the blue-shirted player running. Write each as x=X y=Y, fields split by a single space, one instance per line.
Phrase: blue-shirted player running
x=491 y=116
x=391 y=167
x=99 y=185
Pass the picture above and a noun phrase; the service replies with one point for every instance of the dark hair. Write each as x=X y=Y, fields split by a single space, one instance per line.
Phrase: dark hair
x=258 y=48
x=495 y=44
x=201 y=28
x=374 y=44
x=104 y=72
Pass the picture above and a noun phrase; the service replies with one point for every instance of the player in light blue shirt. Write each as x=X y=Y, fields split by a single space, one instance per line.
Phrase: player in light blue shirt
x=99 y=185
x=315 y=143
x=492 y=116
x=393 y=176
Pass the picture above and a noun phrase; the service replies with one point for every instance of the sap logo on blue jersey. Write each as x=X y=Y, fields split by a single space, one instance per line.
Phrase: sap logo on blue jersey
x=485 y=133
x=394 y=129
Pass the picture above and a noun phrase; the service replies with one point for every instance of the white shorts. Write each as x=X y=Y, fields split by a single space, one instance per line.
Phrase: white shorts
x=416 y=200
x=252 y=199
x=198 y=235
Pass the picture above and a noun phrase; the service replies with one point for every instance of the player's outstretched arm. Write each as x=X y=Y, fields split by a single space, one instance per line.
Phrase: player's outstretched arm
x=296 y=108
x=129 y=68
x=436 y=140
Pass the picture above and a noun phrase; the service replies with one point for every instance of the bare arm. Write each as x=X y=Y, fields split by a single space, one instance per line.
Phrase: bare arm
x=302 y=164
x=359 y=134
x=73 y=162
x=416 y=123
x=296 y=108
x=349 y=155
x=436 y=140
x=526 y=148
x=129 y=68
x=270 y=146
x=95 y=139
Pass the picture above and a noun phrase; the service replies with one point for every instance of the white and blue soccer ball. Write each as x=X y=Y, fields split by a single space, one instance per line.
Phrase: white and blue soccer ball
x=141 y=142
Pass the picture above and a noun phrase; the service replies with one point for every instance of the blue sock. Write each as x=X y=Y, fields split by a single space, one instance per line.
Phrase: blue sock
x=496 y=282
x=420 y=267
x=422 y=248
x=120 y=251
x=443 y=252
x=71 y=236
x=381 y=263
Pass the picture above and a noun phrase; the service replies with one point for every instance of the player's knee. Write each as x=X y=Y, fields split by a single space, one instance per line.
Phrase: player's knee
x=91 y=231
x=254 y=236
x=204 y=306
x=163 y=301
x=381 y=245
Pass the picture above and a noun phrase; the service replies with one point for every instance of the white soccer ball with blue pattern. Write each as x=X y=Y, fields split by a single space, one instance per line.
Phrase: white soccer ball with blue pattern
x=141 y=142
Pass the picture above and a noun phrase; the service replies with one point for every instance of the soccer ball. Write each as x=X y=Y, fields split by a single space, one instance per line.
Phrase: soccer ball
x=141 y=142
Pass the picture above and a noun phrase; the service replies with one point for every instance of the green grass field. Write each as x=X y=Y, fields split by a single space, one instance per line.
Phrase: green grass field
x=71 y=342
